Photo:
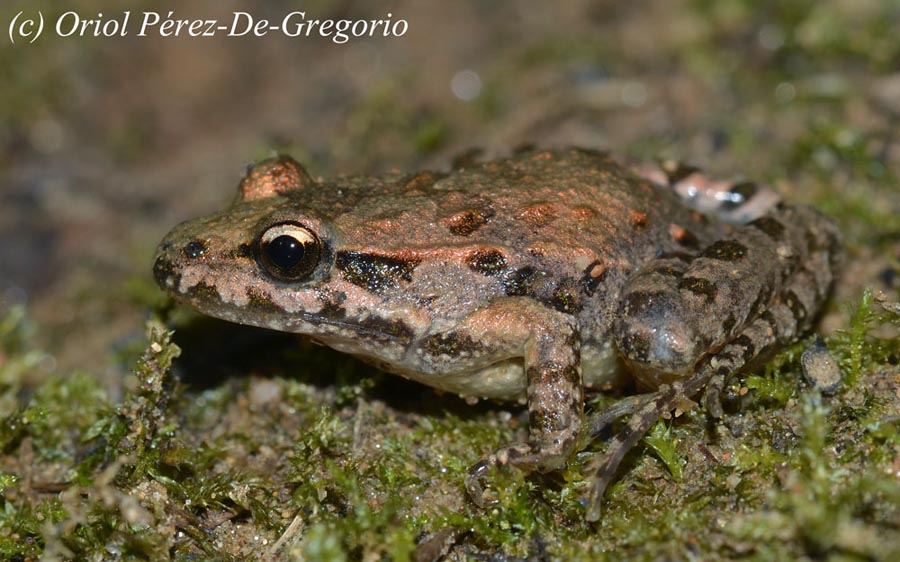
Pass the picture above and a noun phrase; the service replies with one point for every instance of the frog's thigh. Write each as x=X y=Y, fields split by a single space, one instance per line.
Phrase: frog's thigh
x=672 y=314
x=548 y=342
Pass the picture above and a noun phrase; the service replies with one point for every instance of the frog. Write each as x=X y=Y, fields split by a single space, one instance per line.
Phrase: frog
x=537 y=277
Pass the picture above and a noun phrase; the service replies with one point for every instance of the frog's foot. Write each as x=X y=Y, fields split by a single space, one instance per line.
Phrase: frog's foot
x=734 y=202
x=760 y=336
x=554 y=419
x=523 y=456
x=652 y=407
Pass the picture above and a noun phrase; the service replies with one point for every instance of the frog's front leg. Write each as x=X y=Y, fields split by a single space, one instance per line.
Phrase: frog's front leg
x=548 y=343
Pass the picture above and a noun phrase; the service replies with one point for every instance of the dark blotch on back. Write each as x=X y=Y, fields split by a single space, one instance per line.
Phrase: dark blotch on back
x=725 y=250
x=450 y=343
x=517 y=283
x=769 y=226
x=641 y=301
x=486 y=262
x=699 y=286
x=565 y=298
x=466 y=222
x=373 y=271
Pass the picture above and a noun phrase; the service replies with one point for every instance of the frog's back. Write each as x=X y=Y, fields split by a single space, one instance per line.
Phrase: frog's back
x=566 y=228
x=553 y=204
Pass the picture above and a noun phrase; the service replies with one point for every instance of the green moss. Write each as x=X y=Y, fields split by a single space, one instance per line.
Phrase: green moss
x=661 y=440
x=772 y=387
x=21 y=524
x=349 y=500
x=821 y=508
x=862 y=346
x=364 y=480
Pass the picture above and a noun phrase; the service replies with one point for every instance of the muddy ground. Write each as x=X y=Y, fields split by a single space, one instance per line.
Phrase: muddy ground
x=253 y=445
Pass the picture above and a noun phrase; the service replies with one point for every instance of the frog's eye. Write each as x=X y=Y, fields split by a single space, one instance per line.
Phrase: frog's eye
x=288 y=251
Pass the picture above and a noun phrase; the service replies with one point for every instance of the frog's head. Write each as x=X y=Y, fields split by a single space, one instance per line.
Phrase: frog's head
x=269 y=260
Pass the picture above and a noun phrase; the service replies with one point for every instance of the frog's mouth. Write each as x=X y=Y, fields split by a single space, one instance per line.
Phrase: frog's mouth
x=373 y=328
x=330 y=322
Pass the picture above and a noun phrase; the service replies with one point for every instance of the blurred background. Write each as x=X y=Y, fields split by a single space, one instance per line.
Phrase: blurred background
x=107 y=142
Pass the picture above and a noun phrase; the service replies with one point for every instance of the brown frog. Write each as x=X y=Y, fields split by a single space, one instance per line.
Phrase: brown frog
x=526 y=278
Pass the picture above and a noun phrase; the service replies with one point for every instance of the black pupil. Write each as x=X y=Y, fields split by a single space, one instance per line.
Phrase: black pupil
x=285 y=251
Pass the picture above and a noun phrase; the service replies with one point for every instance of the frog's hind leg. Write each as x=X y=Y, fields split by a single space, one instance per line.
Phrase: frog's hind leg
x=682 y=325
x=733 y=202
x=679 y=308
x=652 y=407
x=758 y=338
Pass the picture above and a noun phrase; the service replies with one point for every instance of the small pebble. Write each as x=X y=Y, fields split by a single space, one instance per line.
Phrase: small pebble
x=820 y=368
x=264 y=391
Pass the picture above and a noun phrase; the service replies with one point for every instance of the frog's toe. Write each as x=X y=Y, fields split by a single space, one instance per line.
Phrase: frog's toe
x=478 y=473
x=523 y=456
x=473 y=483
x=594 y=501
x=712 y=396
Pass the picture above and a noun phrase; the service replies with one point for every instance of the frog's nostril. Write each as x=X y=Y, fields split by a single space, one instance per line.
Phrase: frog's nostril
x=195 y=249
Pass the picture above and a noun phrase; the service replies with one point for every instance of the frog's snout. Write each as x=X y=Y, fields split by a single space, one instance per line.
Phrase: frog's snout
x=163 y=270
x=169 y=254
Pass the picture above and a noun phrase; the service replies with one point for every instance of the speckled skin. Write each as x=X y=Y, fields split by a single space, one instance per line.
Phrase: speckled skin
x=524 y=278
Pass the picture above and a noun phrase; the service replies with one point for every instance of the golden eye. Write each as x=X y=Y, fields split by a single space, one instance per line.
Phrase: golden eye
x=288 y=251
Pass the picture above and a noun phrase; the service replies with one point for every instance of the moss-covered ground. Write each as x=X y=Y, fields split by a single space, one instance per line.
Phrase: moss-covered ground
x=284 y=467
x=230 y=443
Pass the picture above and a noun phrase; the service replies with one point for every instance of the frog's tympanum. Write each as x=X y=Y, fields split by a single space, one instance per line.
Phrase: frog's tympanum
x=529 y=278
